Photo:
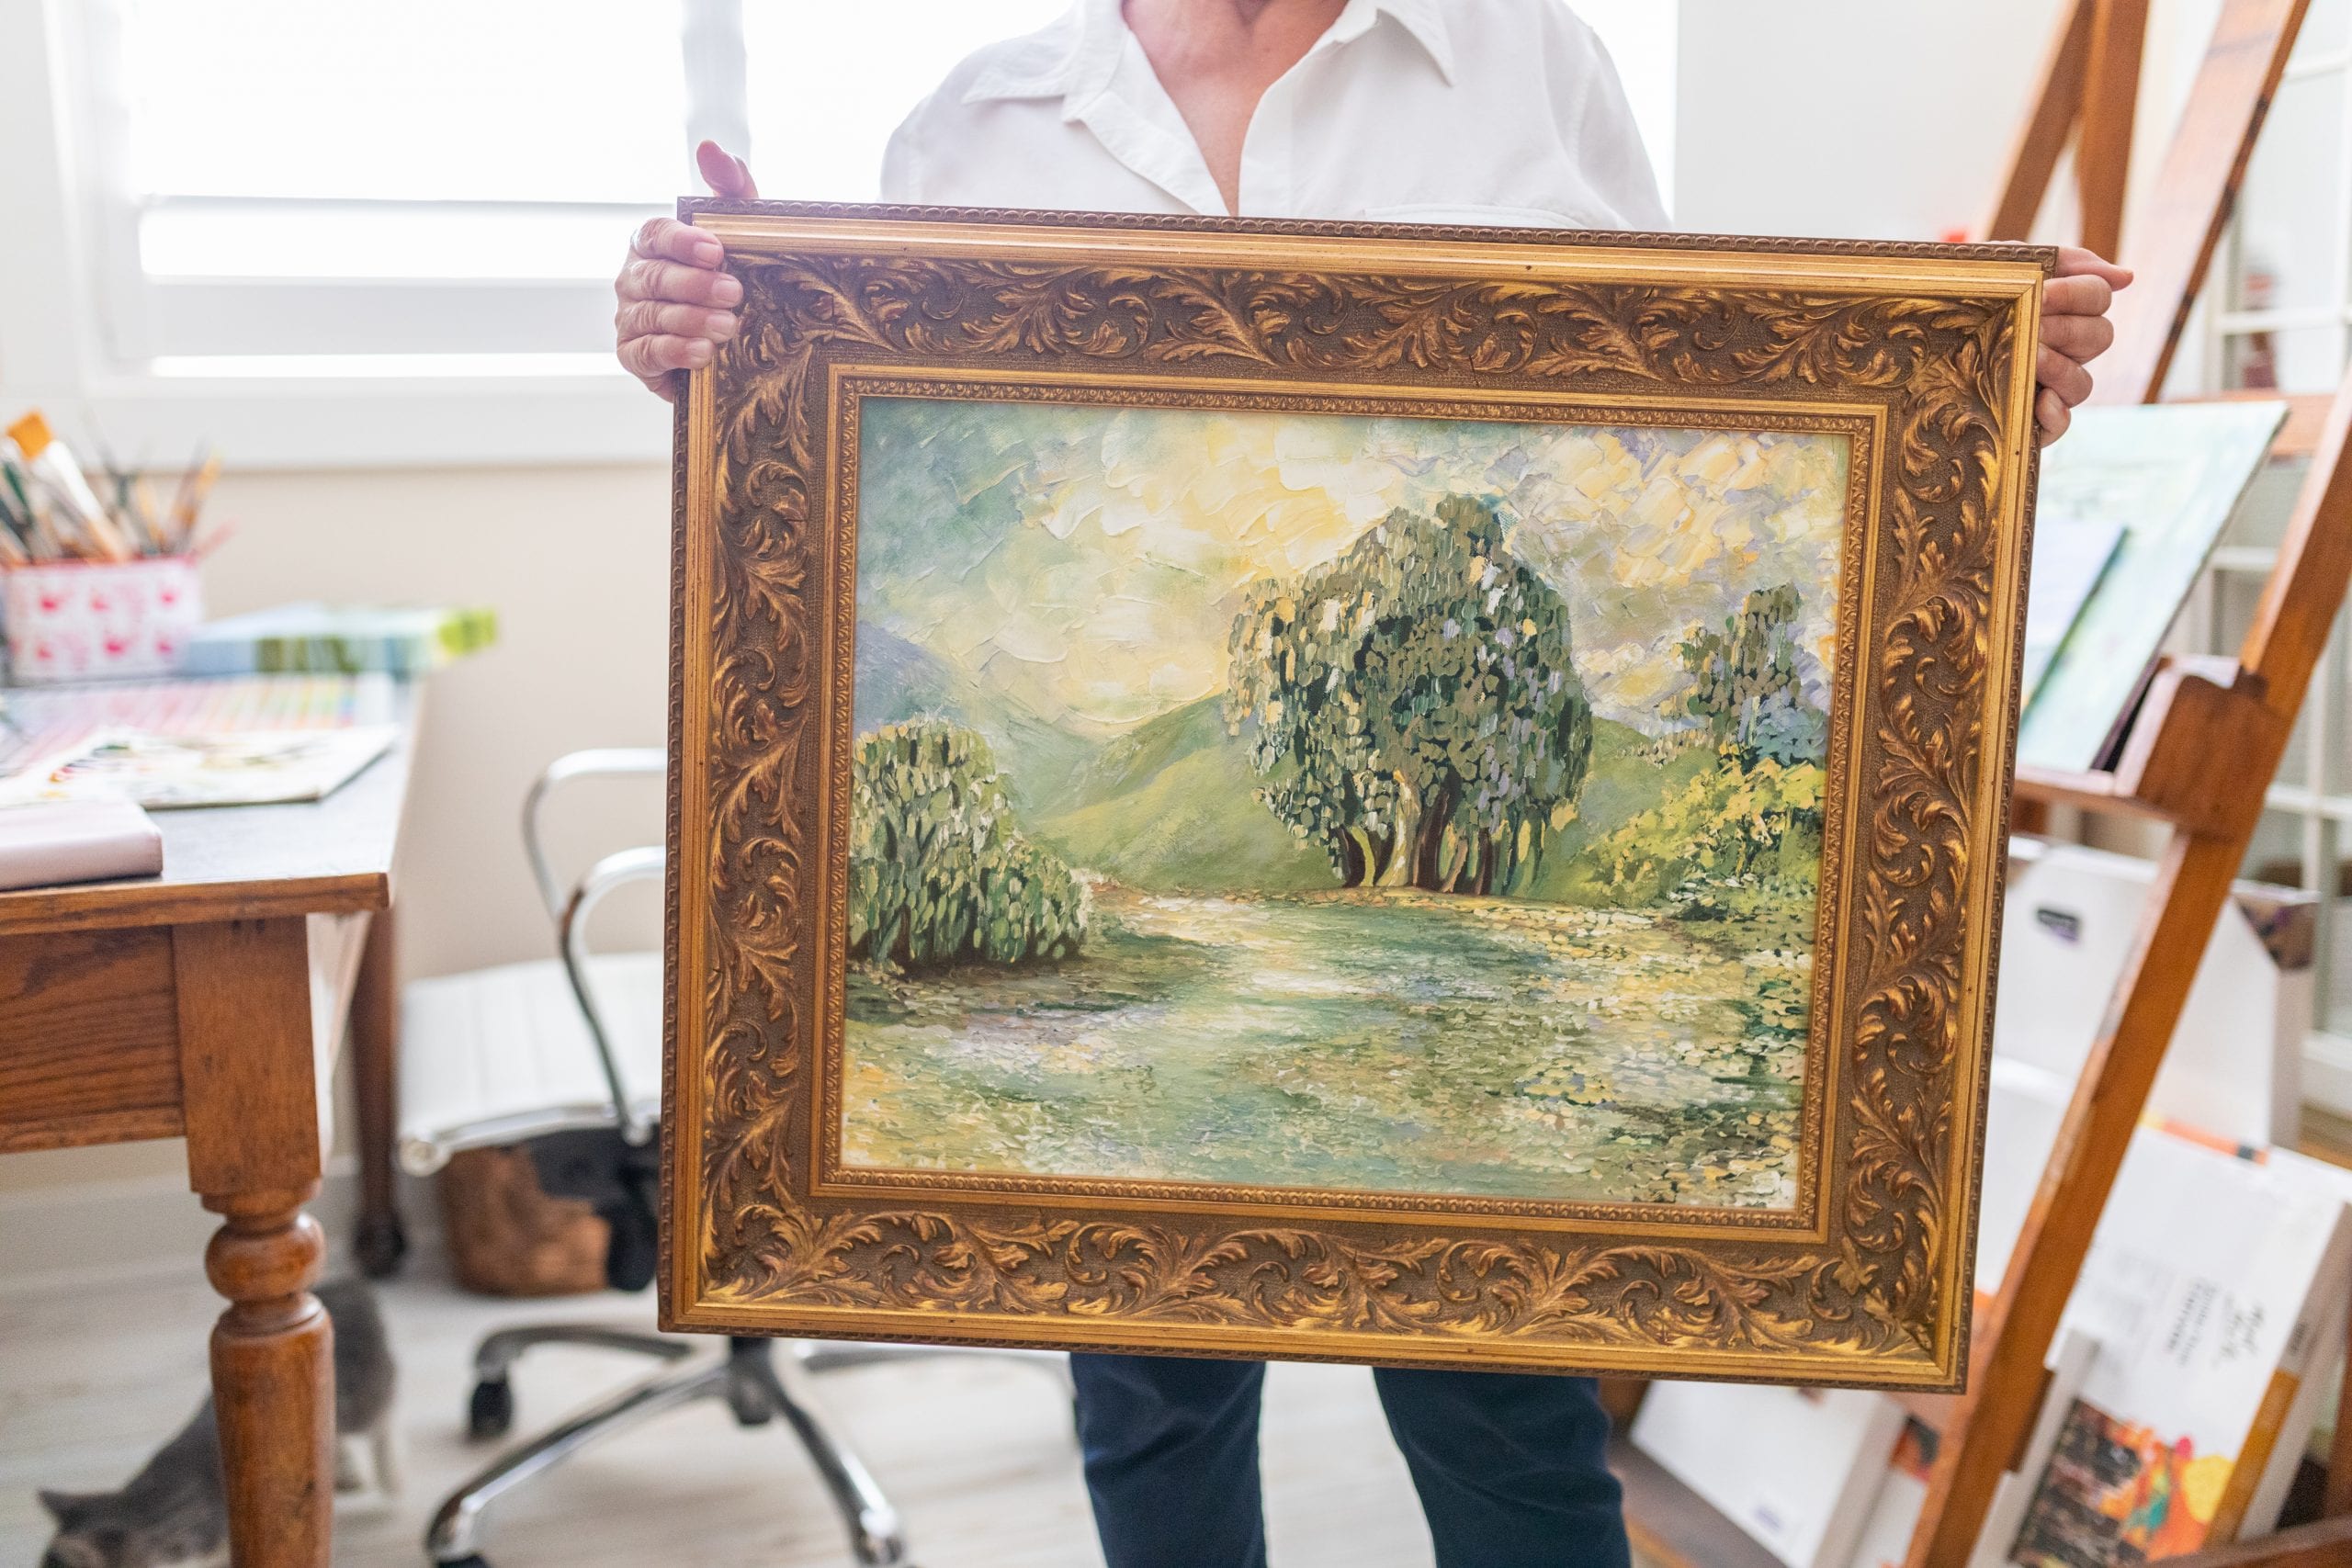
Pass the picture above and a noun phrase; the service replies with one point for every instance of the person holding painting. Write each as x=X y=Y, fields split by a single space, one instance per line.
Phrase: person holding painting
x=1504 y=112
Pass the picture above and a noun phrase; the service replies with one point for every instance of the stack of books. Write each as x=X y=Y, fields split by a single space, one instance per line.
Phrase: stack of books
x=323 y=639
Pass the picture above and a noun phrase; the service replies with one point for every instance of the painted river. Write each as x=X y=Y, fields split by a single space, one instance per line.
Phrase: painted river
x=1365 y=1041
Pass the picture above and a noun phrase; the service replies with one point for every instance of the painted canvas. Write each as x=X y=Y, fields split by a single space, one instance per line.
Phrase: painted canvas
x=1315 y=801
x=2171 y=475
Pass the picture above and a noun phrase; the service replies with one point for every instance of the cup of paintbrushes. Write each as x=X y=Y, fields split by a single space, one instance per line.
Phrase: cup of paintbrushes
x=96 y=620
x=94 y=589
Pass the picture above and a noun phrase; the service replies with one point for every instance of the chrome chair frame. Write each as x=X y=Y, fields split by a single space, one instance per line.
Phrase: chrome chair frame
x=745 y=1372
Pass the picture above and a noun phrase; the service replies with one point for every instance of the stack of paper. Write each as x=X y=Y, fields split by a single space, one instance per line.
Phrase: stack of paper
x=2234 y=1065
x=250 y=768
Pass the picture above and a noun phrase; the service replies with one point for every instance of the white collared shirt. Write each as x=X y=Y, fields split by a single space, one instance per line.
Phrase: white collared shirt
x=1426 y=111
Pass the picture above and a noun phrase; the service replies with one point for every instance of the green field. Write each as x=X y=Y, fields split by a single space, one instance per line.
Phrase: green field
x=1377 y=1042
x=1297 y=1035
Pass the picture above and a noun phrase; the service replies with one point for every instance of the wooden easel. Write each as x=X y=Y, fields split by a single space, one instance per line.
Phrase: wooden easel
x=2199 y=759
x=2090 y=91
x=2201 y=754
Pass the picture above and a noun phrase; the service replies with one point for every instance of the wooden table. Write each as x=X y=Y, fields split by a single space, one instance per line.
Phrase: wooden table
x=208 y=1002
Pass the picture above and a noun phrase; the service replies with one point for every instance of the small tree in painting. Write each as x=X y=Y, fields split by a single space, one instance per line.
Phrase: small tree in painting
x=938 y=874
x=1745 y=689
x=1411 y=705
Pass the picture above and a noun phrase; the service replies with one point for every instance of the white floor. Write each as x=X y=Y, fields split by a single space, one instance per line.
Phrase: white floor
x=977 y=1455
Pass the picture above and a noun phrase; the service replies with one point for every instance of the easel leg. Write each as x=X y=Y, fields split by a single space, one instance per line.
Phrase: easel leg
x=1991 y=1421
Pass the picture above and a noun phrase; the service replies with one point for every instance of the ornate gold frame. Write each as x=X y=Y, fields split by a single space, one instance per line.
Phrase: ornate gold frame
x=1923 y=355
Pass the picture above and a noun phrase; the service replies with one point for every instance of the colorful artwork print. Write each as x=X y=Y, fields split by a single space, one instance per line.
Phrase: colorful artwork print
x=1311 y=801
x=2116 y=1494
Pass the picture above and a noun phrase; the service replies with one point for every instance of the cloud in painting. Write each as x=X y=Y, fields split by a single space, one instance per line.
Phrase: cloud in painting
x=1089 y=563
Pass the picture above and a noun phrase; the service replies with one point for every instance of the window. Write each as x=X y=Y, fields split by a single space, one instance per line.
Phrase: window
x=2279 y=317
x=454 y=177
x=343 y=231
x=275 y=156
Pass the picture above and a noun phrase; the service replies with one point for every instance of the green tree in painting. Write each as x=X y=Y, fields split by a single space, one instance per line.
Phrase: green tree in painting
x=1739 y=819
x=1745 y=691
x=1411 y=705
x=938 y=874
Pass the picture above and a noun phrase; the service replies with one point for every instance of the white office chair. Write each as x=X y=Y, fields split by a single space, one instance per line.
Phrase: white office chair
x=573 y=1044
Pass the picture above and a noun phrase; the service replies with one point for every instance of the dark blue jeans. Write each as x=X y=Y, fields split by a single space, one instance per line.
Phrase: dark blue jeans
x=1510 y=1467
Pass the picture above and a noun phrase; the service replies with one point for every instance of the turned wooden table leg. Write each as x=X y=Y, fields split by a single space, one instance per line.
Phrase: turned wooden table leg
x=249 y=1089
x=381 y=1242
x=273 y=1380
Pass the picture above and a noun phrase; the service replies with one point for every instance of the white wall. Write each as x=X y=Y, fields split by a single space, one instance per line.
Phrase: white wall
x=1851 y=118
x=1856 y=118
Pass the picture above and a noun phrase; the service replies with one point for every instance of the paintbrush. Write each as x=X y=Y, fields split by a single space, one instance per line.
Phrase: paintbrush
x=213 y=539
x=16 y=485
x=151 y=515
x=135 y=526
x=15 y=541
x=194 y=486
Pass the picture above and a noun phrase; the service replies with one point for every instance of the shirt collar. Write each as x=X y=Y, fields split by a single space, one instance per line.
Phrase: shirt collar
x=1076 y=59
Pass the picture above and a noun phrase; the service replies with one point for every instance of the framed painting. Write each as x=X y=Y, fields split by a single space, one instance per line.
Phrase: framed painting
x=1347 y=792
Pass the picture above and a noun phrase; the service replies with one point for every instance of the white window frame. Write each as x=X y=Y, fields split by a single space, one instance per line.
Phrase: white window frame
x=96 y=345
x=2318 y=804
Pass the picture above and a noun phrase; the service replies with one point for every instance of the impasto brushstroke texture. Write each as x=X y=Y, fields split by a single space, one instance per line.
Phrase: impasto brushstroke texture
x=1305 y=800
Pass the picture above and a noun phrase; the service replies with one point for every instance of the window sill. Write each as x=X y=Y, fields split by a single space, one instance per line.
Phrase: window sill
x=424 y=410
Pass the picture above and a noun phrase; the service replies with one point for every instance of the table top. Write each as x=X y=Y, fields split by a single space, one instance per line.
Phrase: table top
x=333 y=856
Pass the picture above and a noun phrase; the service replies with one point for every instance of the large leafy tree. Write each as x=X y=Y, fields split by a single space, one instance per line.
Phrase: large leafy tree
x=938 y=874
x=1411 y=704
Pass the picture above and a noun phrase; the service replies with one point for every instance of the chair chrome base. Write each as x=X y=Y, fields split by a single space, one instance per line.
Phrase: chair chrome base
x=747 y=1376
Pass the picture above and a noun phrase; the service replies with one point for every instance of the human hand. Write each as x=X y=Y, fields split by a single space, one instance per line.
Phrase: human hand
x=2075 y=331
x=676 y=305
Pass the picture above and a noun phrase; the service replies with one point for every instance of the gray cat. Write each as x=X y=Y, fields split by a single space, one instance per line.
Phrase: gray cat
x=173 y=1513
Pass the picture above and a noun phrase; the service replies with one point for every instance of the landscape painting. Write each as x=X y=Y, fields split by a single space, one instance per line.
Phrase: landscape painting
x=1315 y=801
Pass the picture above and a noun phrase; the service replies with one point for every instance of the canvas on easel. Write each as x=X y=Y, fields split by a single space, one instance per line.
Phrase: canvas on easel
x=2169 y=477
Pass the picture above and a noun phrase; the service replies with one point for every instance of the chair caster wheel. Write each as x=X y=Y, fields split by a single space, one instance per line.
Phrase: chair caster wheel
x=749 y=1406
x=489 y=1414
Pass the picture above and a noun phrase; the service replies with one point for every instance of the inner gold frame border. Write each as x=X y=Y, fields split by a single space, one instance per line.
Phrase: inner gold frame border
x=1923 y=354
x=1863 y=429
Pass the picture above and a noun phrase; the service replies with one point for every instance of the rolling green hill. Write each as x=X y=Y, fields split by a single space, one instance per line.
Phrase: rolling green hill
x=898 y=680
x=1170 y=806
x=1621 y=786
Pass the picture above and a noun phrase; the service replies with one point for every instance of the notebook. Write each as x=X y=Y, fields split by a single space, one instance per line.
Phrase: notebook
x=47 y=843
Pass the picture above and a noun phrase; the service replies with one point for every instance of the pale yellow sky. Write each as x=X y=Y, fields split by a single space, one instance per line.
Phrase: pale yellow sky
x=1091 y=564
